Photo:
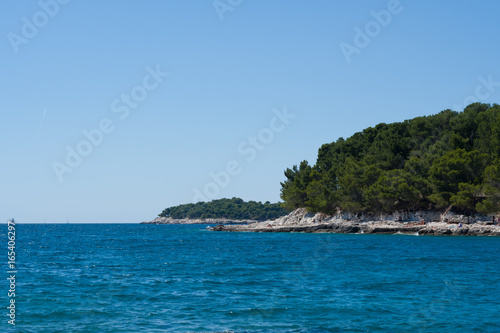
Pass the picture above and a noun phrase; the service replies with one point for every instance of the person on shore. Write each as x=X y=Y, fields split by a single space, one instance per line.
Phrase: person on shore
x=460 y=225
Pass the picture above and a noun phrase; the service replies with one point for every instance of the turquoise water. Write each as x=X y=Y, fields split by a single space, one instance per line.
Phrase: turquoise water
x=168 y=278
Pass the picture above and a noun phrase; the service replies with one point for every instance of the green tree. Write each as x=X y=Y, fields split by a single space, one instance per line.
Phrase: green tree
x=394 y=190
x=455 y=168
x=294 y=189
x=491 y=190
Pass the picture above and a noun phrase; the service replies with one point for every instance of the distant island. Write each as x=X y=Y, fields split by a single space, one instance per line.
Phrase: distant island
x=220 y=211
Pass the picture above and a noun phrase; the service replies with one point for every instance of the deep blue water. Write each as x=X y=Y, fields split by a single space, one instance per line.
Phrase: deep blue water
x=169 y=278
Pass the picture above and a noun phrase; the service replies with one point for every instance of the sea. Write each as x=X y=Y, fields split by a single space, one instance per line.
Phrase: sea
x=185 y=278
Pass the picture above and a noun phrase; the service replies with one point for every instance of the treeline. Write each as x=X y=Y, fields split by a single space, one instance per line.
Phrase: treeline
x=233 y=209
x=433 y=162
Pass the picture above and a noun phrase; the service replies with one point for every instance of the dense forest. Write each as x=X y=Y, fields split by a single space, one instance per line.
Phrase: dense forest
x=234 y=209
x=447 y=160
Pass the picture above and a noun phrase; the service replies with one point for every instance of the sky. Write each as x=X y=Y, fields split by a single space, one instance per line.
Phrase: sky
x=112 y=111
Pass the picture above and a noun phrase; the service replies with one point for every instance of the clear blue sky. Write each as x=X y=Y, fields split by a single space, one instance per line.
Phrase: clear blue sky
x=69 y=69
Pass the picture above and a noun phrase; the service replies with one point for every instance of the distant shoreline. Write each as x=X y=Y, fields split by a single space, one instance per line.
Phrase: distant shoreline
x=169 y=220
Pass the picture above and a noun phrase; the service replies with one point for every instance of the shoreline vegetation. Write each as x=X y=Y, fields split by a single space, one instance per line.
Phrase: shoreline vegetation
x=450 y=160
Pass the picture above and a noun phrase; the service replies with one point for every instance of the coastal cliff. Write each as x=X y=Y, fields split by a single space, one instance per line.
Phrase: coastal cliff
x=416 y=223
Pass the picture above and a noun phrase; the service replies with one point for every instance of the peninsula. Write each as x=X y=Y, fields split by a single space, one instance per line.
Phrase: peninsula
x=437 y=175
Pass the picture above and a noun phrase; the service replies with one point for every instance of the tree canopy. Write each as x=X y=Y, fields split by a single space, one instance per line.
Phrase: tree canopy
x=431 y=162
x=233 y=209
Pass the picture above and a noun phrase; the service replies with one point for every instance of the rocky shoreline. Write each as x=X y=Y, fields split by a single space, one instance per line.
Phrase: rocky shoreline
x=168 y=220
x=417 y=223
